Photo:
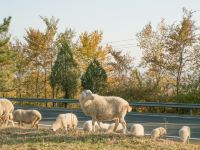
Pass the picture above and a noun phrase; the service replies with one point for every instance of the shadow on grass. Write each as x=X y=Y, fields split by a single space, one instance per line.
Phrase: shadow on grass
x=12 y=136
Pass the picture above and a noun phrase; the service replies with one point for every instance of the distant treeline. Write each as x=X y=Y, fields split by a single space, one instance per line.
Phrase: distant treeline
x=49 y=64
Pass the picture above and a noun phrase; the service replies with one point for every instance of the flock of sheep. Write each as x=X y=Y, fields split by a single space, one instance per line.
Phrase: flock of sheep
x=99 y=108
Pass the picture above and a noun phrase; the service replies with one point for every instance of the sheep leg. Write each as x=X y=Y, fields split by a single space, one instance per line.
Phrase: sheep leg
x=6 y=122
x=188 y=140
x=123 y=122
x=12 y=122
x=116 y=125
x=65 y=126
x=34 y=124
x=93 y=123
x=98 y=122
x=37 y=126
x=19 y=123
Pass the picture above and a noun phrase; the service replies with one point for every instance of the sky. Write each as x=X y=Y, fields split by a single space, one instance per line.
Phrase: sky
x=119 y=20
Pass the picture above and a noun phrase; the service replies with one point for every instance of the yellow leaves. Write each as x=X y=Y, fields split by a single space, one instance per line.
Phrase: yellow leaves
x=89 y=48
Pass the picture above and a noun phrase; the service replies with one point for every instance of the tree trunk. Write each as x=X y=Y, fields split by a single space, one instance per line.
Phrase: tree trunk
x=37 y=85
x=45 y=83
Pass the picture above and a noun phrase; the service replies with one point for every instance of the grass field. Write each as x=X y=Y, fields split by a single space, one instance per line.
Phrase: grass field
x=44 y=139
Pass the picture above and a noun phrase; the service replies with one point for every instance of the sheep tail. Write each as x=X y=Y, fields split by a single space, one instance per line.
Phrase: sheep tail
x=129 y=108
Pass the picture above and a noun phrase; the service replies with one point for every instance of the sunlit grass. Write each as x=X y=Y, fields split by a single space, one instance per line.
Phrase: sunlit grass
x=15 y=138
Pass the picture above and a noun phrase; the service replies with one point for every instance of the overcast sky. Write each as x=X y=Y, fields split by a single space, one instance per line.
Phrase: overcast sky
x=119 y=20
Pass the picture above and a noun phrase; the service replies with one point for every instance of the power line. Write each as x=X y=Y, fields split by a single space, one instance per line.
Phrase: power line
x=125 y=47
x=117 y=41
x=122 y=45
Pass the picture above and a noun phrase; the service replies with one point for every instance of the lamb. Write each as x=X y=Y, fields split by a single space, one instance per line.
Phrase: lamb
x=7 y=108
x=184 y=134
x=104 y=108
x=118 y=130
x=68 y=120
x=137 y=130
x=158 y=133
x=27 y=116
x=87 y=126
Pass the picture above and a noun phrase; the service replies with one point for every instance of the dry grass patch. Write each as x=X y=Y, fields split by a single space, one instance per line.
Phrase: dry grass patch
x=44 y=139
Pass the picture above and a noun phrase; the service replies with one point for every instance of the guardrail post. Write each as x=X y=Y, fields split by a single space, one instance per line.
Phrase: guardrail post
x=21 y=102
x=65 y=105
x=191 y=112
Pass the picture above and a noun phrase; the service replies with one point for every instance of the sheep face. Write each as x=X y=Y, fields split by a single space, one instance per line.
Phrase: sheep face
x=163 y=132
x=55 y=126
x=86 y=95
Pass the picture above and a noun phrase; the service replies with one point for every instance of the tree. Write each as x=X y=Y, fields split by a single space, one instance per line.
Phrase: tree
x=89 y=48
x=40 y=53
x=153 y=44
x=6 y=58
x=21 y=68
x=65 y=71
x=181 y=41
x=94 y=78
x=121 y=64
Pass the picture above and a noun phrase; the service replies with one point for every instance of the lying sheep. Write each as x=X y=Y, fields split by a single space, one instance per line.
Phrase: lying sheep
x=27 y=116
x=68 y=120
x=118 y=130
x=104 y=108
x=87 y=126
x=101 y=127
x=137 y=130
x=7 y=108
x=184 y=134
x=158 y=133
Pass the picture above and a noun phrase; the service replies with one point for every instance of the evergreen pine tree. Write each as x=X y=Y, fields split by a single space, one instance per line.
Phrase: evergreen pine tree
x=6 y=57
x=94 y=78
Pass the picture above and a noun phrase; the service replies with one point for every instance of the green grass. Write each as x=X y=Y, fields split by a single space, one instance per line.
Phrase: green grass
x=44 y=139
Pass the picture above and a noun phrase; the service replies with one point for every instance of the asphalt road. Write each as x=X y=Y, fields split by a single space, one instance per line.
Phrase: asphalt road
x=149 y=121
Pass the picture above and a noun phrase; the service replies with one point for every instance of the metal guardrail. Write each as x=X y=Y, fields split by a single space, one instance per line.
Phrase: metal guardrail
x=133 y=104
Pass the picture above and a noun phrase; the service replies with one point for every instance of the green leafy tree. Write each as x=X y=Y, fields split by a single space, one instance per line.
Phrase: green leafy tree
x=6 y=57
x=94 y=78
x=65 y=71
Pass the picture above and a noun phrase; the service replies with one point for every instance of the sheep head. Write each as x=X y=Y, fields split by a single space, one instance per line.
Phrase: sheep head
x=86 y=95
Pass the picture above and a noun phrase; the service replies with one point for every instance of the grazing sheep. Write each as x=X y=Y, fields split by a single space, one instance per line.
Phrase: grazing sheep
x=27 y=116
x=68 y=120
x=7 y=108
x=184 y=134
x=137 y=130
x=158 y=133
x=104 y=108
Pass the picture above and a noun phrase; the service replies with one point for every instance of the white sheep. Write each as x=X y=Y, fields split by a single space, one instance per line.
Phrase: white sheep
x=7 y=108
x=184 y=134
x=87 y=126
x=27 y=116
x=104 y=108
x=137 y=130
x=118 y=130
x=68 y=120
x=158 y=133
